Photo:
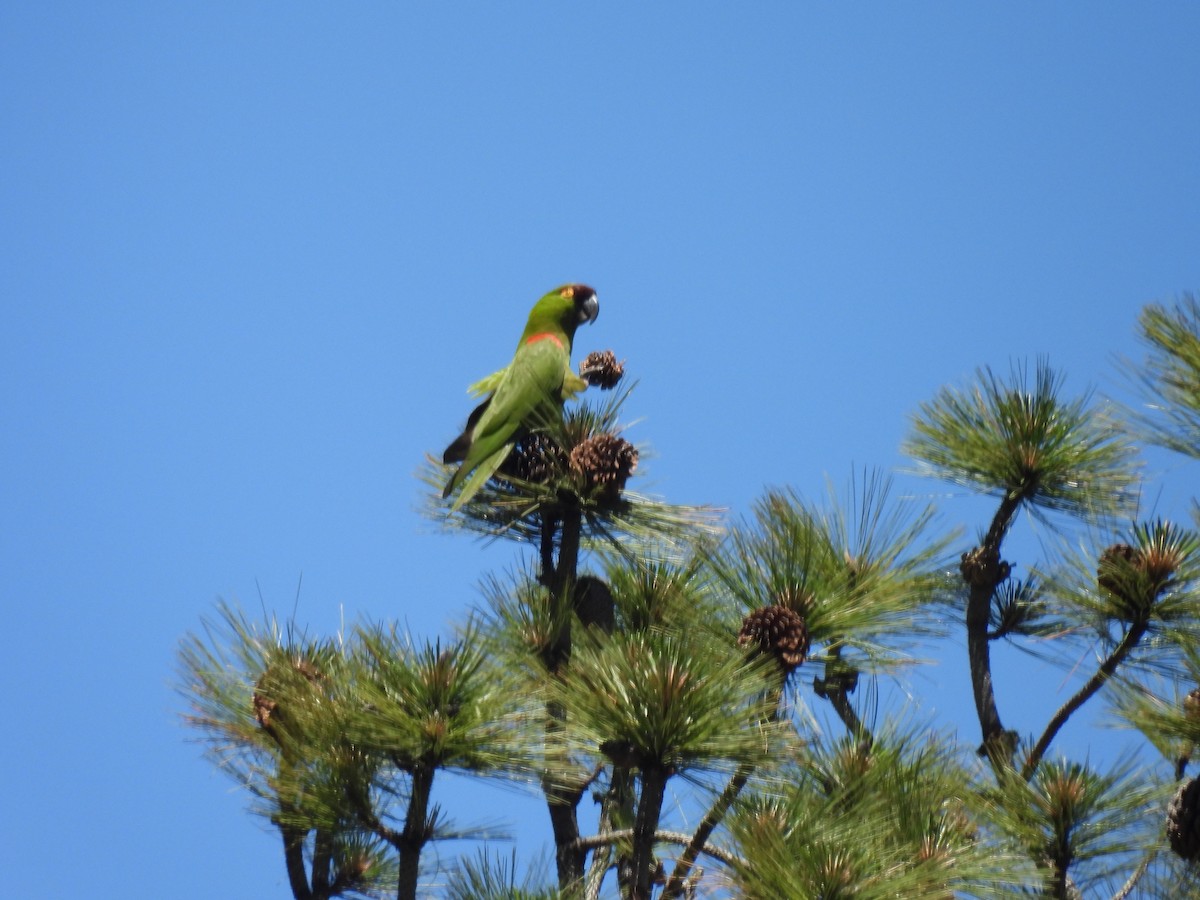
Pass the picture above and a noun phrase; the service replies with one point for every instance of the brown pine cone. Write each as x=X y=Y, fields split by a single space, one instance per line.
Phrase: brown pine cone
x=777 y=630
x=1183 y=820
x=601 y=369
x=605 y=461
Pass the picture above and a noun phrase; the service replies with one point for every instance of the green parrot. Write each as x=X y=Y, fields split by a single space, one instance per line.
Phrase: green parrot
x=539 y=375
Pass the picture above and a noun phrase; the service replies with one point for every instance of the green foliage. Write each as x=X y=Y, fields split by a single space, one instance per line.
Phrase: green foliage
x=864 y=575
x=251 y=689
x=519 y=623
x=1161 y=710
x=332 y=737
x=446 y=706
x=1170 y=375
x=265 y=702
x=668 y=700
x=644 y=661
x=1023 y=442
x=885 y=819
x=1148 y=578
x=654 y=595
x=1078 y=824
x=489 y=877
x=1020 y=609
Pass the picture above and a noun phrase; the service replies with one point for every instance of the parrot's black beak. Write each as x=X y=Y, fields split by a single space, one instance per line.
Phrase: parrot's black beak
x=589 y=306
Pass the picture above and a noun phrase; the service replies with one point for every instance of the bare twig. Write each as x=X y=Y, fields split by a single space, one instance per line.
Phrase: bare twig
x=1128 y=886
x=663 y=837
x=698 y=843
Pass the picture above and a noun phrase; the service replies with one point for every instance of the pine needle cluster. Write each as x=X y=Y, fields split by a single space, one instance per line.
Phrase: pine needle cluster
x=861 y=574
x=1018 y=439
x=1170 y=375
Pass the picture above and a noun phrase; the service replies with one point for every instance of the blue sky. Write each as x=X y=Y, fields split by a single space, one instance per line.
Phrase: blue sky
x=252 y=254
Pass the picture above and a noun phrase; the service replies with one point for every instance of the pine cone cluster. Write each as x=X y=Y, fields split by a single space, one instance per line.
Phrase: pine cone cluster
x=779 y=631
x=1115 y=564
x=1183 y=821
x=266 y=708
x=983 y=569
x=1135 y=576
x=536 y=459
x=601 y=369
x=605 y=461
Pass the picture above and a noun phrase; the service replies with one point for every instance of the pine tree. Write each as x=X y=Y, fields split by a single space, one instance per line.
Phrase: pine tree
x=718 y=688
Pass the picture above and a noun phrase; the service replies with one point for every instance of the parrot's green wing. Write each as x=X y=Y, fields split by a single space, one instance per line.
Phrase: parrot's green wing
x=572 y=384
x=488 y=384
x=535 y=377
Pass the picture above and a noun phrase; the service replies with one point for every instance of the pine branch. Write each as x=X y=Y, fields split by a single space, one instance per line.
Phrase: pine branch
x=1131 y=883
x=293 y=855
x=1019 y=441
x=602 y=857
x=840 y=681
x=698 y=843
x=654 y=786
x=416 y=831
x=562 y=800
x=983 y=570
x=376 y=826
x=663 y=837
x=321 y=863
x=546 y=548
x=562 y=803
x=1085 y=693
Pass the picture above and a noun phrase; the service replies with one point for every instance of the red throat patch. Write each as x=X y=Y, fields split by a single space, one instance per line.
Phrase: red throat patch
x=543 y=336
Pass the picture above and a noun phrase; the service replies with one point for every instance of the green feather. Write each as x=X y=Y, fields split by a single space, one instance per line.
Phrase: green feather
x=482 y=473
x=487 y=384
